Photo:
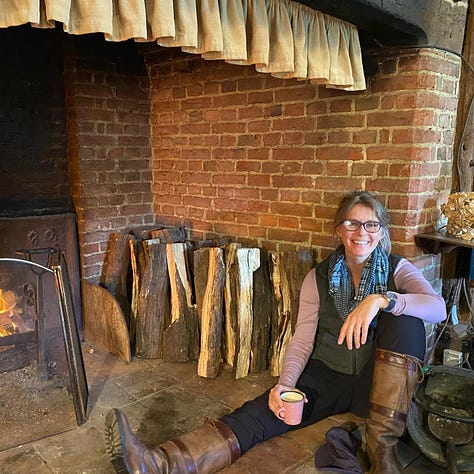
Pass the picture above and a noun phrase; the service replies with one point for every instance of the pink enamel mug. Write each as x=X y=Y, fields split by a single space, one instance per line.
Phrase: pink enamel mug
x=292 y=411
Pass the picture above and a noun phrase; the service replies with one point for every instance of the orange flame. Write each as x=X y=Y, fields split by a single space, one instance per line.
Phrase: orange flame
x=7 y=301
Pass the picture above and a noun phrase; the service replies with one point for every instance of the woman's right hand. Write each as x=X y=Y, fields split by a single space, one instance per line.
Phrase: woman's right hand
x=275 y=402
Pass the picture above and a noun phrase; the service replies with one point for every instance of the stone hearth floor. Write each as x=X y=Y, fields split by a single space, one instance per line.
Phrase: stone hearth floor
x=163 y=400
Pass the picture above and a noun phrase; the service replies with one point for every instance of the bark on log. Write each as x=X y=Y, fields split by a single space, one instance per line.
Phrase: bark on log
x=114 y=276
x=181 y=337
x=240 y=266
x=153 y=307
x=144 y=232
x=209 y=279
x=264 y=306
x=288 y=272
x=218 y=242
x=230 y=256
x=169 y=236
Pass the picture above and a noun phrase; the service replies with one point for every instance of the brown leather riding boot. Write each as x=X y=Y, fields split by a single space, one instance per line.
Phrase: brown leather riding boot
x=395 y=379
x=206 y=450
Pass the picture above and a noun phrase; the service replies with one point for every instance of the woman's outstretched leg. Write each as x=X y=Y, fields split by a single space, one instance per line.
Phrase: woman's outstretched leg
x=205 y=450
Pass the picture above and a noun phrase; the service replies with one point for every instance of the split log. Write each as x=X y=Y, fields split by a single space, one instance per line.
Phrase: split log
x=104 y=322
x=144 y=232
x=264 y=306
x=169 y=236
x=229 y=327
x=136 y=279
x=209 y=279
x=205 y=243
x=288 y=272
x=240 y=265
x=194 y=245
x=114 y=276
x=181 y=337
x=153 y=307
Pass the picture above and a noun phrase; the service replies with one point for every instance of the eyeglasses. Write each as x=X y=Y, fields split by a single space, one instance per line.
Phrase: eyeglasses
x=370 y=226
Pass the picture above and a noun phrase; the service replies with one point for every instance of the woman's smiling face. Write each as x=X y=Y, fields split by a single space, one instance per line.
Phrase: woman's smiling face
x=359 y=244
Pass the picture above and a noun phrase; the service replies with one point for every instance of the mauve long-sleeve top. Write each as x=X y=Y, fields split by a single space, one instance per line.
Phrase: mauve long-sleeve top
x=415 y=297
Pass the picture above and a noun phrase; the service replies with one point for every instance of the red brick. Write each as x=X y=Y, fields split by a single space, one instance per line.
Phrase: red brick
x=269 y=220
x=288 y=235
x=307 y=123
x=250 y=83
x=339 y=121
x=259 y=180
x=291 y=167
x=233 y=180
x=339 y=153
x=302 y=92
x=265 y=97
x=258 y=126
x=272 y=139
x=228 y=127
x=291 y=209
x=254 y=112
x=399 y=153
x=292 y=138
x=340 y=105
x=289 y=181
x=290 y=195
x=339 y=136
x=367 y=103
x=294 y=109
x=248 y=166
x=339 y=168
x=258 y=153
x=288 y=222
x=293 y=153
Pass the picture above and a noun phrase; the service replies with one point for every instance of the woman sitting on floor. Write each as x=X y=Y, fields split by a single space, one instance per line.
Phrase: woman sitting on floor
x=357 y=347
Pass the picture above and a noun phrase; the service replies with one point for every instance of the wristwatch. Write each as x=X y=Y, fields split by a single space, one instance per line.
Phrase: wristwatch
x=391 y=300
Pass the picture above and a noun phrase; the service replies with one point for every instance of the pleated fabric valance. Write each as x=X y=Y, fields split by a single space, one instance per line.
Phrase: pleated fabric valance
x=280 y=37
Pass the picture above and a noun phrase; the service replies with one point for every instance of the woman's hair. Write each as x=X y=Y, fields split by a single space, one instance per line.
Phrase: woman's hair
x=366 y=199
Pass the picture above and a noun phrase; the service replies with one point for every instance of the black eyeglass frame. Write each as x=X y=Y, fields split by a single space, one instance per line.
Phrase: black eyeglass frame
x=359 y=224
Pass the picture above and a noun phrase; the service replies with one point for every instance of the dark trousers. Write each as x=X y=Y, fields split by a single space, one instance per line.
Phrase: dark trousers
x=328 y=392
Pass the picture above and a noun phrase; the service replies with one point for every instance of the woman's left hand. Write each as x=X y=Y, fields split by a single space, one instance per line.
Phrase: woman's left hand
x=355 y=328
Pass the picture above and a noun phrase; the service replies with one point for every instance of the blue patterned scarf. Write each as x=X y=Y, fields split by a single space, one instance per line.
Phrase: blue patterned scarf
x=374 y=279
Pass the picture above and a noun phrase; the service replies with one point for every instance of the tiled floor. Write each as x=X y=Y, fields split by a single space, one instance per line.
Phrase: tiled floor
x=162 y=400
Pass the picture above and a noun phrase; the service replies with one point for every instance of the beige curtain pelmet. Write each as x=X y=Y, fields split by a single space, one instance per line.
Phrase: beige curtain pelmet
x=280 y=37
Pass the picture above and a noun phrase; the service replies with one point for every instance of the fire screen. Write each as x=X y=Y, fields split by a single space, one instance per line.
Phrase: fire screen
x=43 y=387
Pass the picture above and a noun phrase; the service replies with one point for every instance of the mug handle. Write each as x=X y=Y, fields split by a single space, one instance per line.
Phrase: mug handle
x=281 y=414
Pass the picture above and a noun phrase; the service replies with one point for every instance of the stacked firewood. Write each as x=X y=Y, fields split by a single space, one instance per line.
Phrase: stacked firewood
x=459 y=210
x=212 y=301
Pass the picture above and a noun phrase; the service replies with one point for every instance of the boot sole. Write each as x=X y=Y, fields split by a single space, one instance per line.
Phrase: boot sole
x=114 y=441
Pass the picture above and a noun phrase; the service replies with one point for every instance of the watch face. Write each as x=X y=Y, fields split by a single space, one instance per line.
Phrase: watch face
x=392 y=299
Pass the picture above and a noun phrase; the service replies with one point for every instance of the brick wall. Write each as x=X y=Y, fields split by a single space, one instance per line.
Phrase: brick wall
x=265 y=160
x=107 y=102
x=242 y=154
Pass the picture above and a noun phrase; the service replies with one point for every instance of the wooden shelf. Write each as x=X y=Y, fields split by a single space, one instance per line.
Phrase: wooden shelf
x=440 y=242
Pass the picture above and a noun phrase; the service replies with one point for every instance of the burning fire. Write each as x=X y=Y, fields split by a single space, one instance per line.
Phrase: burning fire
x=8 y=311
x=7 y=302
